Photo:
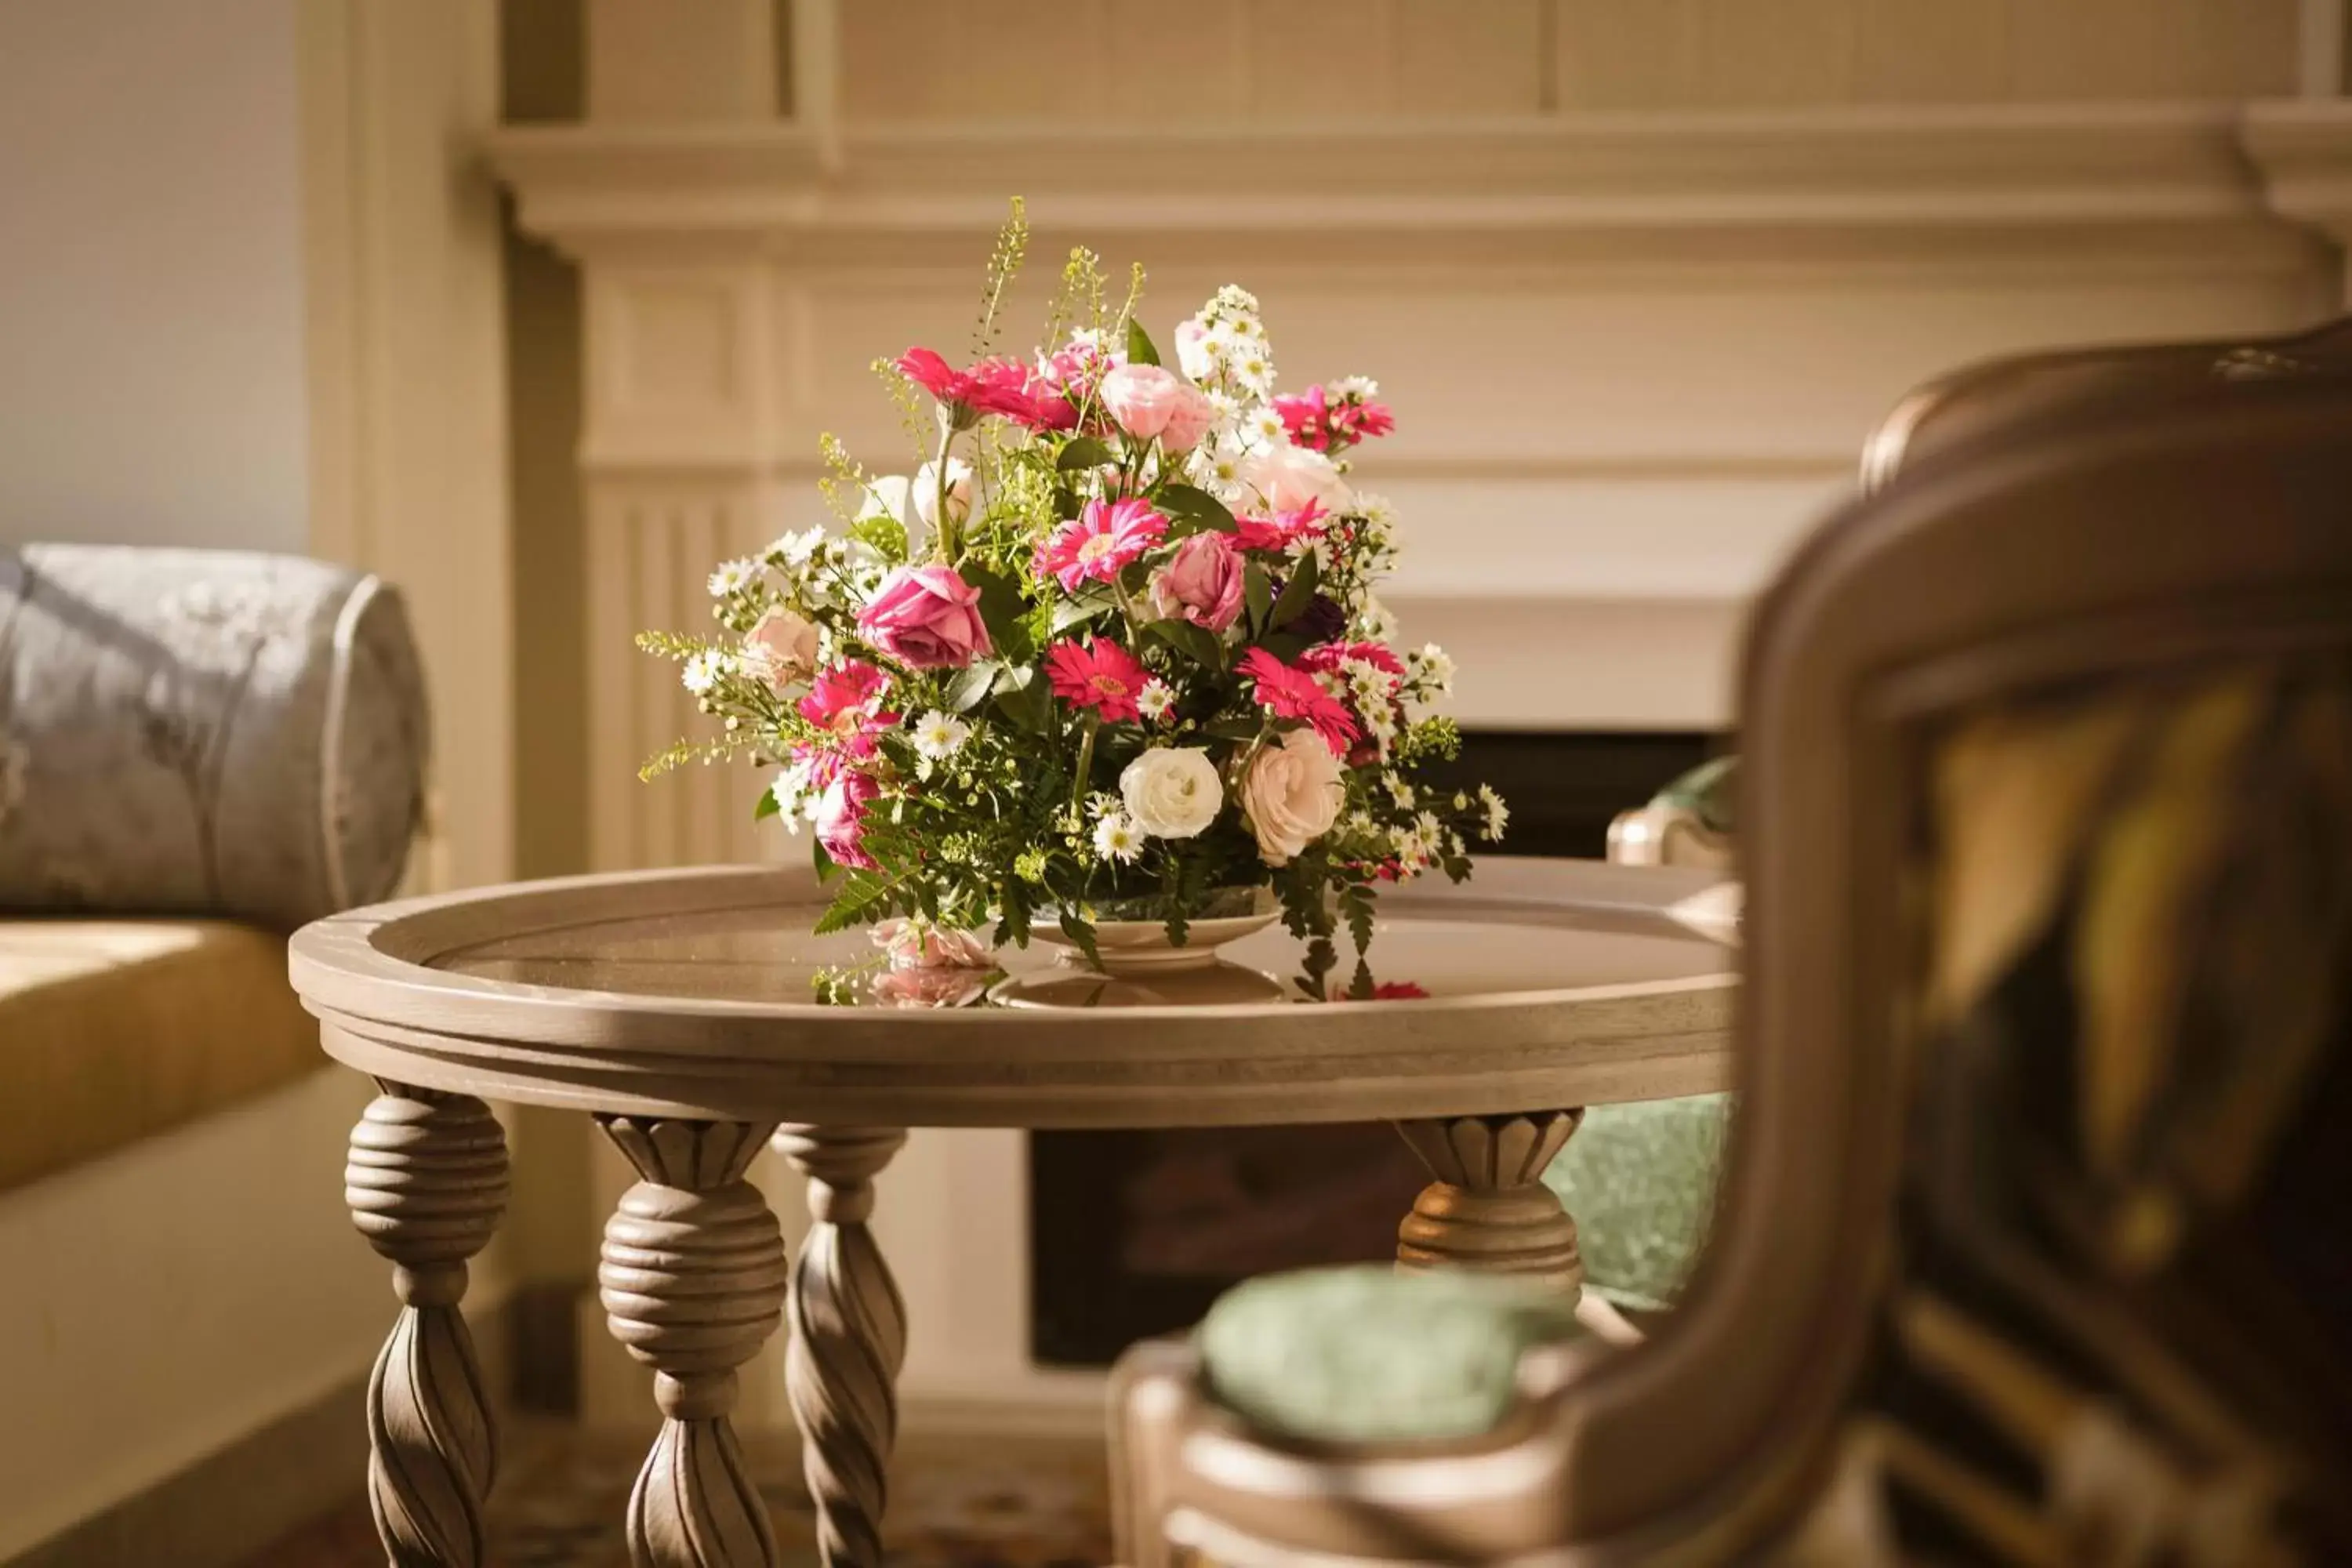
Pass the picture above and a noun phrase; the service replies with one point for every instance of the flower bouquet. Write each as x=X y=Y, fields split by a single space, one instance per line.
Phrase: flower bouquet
x=1111 y=651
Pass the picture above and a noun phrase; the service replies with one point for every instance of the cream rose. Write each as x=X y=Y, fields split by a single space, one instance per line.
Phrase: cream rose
x=1292 y=795
x=1289 y=478
x=783 y=647
x=1172 y=792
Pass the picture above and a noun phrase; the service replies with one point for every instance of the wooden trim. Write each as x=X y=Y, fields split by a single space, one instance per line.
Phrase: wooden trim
x=405 y=320
x=2004 y=179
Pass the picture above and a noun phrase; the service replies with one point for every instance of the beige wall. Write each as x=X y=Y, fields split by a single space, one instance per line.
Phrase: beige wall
x=1278 y=61
x=151 y=274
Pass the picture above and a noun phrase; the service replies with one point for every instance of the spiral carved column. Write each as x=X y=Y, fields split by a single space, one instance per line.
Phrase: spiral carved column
x=693 y=1283
x=1488 y=1209
x=426 y=1183
x=849 y=1337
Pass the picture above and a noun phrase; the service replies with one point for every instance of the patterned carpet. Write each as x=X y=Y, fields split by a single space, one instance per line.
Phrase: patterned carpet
x=974 y=1503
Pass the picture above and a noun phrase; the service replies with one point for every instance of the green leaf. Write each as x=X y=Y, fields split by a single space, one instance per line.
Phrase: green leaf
x=1138 y=344
x=865 y=894
x=1285 y=646
x=825 y=869
x=1257 y=593
x=1296 y=594
x=1023 y=696
x=1066 y=504
x=1194 y=509
x=885 y=533
x=766 y=806
x=1002 y=610
x=1079 y=610
x=1084 y=452
x=1081 y=932
x=1235 y=728
x=971 y=688
x=1196 y=643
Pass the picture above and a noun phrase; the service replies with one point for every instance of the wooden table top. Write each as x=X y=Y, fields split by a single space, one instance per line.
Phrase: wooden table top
x=686 y=993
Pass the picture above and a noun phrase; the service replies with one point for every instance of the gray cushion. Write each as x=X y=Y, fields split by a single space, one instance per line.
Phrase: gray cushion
x=1639 y=1181
x=1371 y=1355
x=203 y=733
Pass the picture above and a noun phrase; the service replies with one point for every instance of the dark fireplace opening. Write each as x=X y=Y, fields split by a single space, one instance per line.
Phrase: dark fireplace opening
x=1134 y=1234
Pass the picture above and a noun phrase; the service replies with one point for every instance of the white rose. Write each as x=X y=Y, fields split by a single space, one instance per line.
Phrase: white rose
x=1292 y=795
x=926 y=492
x=1288 y=477
x=781 y=647
x=1172 y=792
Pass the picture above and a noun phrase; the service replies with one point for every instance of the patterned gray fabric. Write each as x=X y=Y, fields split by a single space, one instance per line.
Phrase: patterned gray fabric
x=194 y=732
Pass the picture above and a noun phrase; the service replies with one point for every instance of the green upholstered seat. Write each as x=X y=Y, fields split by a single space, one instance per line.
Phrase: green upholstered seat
x=1639 y=1181
x=1707 y=792
x=1371 y=1356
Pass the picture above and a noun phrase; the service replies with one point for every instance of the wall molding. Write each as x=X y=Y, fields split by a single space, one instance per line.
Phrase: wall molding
x=2302 y=149
x=1825 y=186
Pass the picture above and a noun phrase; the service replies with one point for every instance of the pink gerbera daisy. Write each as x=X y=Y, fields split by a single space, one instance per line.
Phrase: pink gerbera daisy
x=1100 y=675
x=1282 y=530
x=1099 y=542
x=1289 y=692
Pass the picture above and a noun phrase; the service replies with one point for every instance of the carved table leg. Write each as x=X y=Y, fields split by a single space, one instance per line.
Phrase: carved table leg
x=849 y=1336
x=693 y=1282
x=1488 y=1209
x=427 y=1184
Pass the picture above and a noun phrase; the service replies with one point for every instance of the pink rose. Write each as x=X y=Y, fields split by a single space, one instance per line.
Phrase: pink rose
x=1202 y=583
x=1190 y=421
x=926 y=617
x=919 y=944
x=840 y=819
x=1148 y=401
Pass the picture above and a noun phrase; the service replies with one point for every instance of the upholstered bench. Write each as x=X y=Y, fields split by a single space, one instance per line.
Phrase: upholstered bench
x=199 y=750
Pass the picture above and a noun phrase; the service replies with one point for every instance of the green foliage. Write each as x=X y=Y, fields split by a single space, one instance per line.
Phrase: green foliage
x=1140 y=348
x=1191 y=510
x=1003 y=266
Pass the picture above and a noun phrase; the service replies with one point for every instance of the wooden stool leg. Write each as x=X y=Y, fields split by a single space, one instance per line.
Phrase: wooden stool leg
x=1488 y=1209
x=849 y=1336
x=427 y=1184
x=693 y=1282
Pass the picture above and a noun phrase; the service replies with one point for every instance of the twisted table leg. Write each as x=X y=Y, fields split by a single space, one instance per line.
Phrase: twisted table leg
x=849 y=1336
x=693 y=1282
x=426 y=1183
x=1488 y=1209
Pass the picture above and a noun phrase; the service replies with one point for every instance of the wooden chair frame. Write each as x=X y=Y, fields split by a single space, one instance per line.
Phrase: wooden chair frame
x=2205 y=521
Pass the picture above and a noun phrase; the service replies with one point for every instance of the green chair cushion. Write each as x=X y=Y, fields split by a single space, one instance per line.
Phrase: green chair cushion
x=1707 y=792
x=1639 y=1180
x=1371 y=1355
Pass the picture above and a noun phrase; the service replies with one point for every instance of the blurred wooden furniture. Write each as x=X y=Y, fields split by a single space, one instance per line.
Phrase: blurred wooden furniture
x=2033 y=1248
x=676 y=1006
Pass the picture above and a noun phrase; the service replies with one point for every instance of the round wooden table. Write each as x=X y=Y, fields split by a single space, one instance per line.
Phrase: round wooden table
x=676 y=1006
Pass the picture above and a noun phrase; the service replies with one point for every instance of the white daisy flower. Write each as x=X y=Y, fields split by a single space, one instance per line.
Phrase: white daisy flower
x=796 y=802
x=1400 y=791
x=939 y=736
x=1262 y=428
x=797 y=549
x=1431 y=668
x=1498 y=816
x=1217 y=346
x=703 y=671
x=733 y=576
x=1155 y=699
x=1116 y=838
x=1253 y=369
x=1354 y=386
x=1234 y=299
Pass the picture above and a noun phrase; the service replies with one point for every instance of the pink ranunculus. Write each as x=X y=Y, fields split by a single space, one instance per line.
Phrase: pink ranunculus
x=1145 y=398
x=1202 y=583
x=1102 y=540
x=927 y=617
x=1100 y=675
x=841 y=819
